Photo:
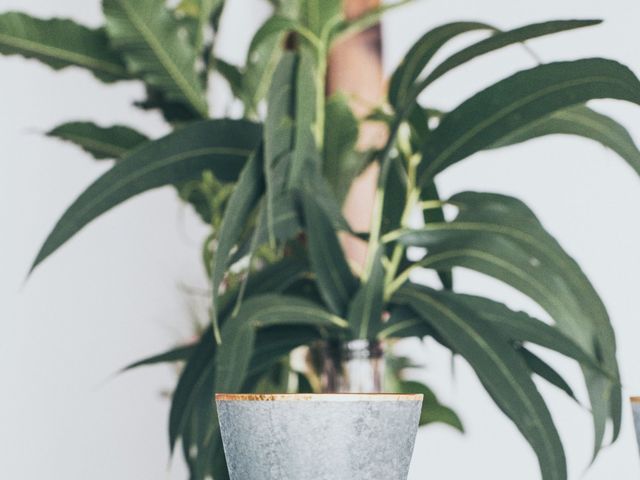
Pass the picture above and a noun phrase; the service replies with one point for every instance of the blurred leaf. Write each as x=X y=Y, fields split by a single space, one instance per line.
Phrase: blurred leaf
x=232 y=74
x=544 y=370
x=365 y=310
x=101 y=142
x=59 y=44
x=238 y=334
x=319 y=16
x=335 y=280
x=432 y=410
x=305 y=161
x=341 y=162
x=148 y=36
x=177 y=354
x=221 y=146
x=582 y=121
x=501 y=370
x=436 y=215
x=499 y=236
x=498 y=41
x=279 y=134
x=242 y=202
x=421 y=53
x=521 y=100
x=174 y=112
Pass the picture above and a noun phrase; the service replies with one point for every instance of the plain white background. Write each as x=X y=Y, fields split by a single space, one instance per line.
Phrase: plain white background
x=118 y=291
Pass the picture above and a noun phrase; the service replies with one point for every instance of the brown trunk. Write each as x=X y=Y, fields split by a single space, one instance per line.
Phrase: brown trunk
x=355 y=67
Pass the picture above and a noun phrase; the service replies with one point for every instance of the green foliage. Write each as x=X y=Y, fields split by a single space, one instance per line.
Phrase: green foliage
x=149 y=38
x=271 y=190
x=61 y=43
x=102 y=143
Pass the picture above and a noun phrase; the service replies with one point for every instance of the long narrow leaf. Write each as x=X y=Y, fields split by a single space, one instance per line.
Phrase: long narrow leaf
x=148 y=36
x=61 y=43
x=502 y=371
x=335 y=280
x=521 y=100
x=421 y=53
x=582 y=121
x=221 y=146
x=101 y=142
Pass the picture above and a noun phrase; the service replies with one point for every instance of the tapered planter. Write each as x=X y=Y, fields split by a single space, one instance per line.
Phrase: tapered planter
x=318 y=437
x=635 y=406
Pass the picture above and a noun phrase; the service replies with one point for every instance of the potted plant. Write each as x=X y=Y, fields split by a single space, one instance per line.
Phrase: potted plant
x=272 y=187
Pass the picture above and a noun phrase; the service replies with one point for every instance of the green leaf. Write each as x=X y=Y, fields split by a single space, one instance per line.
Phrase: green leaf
x=436 y=215
x=421 y=53
x=101 y=142
x=239 y=333
x=242 y=202
x=59 y=44
x=365 y=311
x=279 y=134
x=196 y=377
x=263 y=57
x=320 y=16
x=501 y=370
x=273 y=26
x=335 y=280
x=177 y=354
x=432 y=410
x=582 y=121
x=520 y=100
x=520 y=327
x=544 y=370
x=498 y=41
x=232 y=74
x=221 y=146
x=305 y=160
x=499 y=236
x=341 y=162
x=148 y=36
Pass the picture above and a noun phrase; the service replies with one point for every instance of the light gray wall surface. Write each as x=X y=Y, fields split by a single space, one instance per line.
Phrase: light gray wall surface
x=117 y=291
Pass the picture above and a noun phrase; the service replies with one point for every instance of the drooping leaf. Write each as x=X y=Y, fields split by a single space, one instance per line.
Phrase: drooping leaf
x=221 y=146
x=305 y=159
x=238 y=334
x=521 y=100
x=61 y=43
x=335 y=280
x=436 y=215
x=582 y=121
x=242 y=202
x=432 y=410
x=498 y=41
x=499 y=236
x=148 y=36
x=521 y=327
x=176 y=354
x=544 y=370
x=501 y=370
x=341 y=163
x=365 y=310
x=279 y=135
x=232 y=74
x=421 y=53
x=101 y=142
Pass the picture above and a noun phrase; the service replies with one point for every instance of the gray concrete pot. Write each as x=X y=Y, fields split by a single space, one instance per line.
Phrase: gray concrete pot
x=318 y=437
x=635 y=406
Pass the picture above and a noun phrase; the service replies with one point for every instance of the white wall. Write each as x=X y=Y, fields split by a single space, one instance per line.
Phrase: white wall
x=112 y=294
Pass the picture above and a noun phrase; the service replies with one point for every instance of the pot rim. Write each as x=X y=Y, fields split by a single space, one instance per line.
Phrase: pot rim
x=635 y=400
x=318 y=397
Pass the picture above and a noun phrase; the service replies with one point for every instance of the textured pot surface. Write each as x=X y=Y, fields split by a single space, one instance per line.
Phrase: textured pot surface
x=318 y=437
x=635 y=406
